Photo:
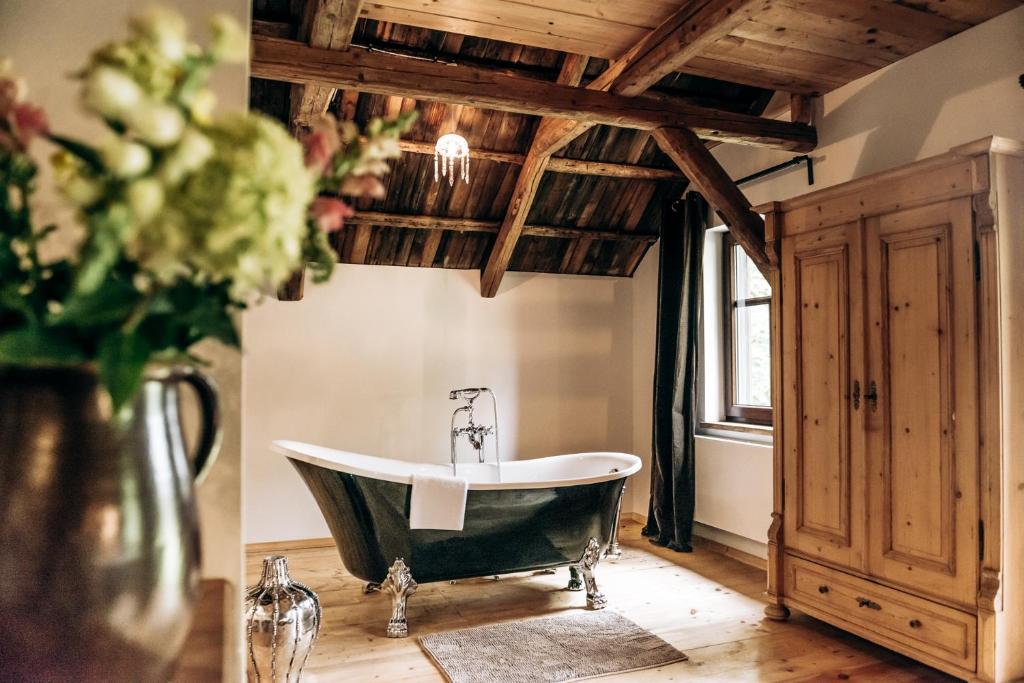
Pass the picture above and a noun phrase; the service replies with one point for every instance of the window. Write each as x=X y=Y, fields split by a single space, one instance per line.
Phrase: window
x=746 y=328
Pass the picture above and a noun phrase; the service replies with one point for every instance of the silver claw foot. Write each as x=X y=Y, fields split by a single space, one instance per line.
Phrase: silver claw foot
x=400 y=585
x=575 y=582
x=591 y=556
x=613 y=551
x=371 y=587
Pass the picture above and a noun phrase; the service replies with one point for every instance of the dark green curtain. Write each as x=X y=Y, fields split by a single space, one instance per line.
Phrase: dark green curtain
x=670 y=516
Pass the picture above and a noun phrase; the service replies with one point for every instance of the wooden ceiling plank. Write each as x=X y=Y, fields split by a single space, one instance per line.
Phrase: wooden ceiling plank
x=709 y=178
x=384 y=74
x=645 y=65
x=968 y=11
x=883 y=14
x=597 y=28
x=788 y=36
x=758 y=76
x=788 y=60
x=325 y=24
x=489 y=31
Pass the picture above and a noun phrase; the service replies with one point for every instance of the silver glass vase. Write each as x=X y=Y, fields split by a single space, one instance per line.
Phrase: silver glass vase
x=98 y=525
x=282 y=622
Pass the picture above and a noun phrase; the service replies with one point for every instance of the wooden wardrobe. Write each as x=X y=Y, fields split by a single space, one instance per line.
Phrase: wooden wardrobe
x=898 y=317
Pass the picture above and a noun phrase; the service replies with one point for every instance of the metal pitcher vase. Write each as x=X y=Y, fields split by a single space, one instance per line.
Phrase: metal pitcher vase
x=98 y=524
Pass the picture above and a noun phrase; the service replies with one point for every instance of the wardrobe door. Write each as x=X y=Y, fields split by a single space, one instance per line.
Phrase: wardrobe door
x=823 y=437
x=923 y=425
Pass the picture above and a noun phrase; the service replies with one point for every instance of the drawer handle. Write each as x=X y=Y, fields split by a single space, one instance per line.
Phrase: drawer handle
x=915 y=623
x=823 y=589
x=870 y=604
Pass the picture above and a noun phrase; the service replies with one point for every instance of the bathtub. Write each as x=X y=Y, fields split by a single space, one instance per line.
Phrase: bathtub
x=544 y=513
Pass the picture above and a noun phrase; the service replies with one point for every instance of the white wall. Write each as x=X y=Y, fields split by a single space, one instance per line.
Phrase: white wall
x=50 y=39
x=365 y=363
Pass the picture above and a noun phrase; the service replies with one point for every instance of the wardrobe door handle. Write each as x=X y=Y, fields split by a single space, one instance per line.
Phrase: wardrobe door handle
x=856 y=394
x=871 y=396
x=870 y=604
x=823 y=589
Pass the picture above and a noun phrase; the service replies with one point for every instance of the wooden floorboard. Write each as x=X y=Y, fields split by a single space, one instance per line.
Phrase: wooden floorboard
x=706 y=604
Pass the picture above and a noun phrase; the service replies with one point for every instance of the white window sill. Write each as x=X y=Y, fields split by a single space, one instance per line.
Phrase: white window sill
x=737 y=431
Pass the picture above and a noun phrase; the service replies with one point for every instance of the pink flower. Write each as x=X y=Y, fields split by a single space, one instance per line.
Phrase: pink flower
x=321 y=143
x=29 y=121
x=11 y=92
x=330 y=213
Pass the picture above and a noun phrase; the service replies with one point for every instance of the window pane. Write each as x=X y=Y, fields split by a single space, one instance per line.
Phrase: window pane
x=749 y=283
x=752 y=349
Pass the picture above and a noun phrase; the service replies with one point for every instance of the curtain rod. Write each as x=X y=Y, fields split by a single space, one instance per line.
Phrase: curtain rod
x=795 y=161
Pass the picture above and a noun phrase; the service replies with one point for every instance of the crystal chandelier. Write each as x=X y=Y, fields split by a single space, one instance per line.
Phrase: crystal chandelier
x=449 y=149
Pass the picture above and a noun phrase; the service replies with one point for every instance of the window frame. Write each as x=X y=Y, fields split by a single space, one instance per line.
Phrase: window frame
x=736 y=412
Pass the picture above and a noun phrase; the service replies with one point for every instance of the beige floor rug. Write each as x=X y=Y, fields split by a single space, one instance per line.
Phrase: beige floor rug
x=549 y=650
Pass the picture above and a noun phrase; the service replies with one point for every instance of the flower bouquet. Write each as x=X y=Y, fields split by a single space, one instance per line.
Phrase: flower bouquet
x=184 y=217
x=187 y=216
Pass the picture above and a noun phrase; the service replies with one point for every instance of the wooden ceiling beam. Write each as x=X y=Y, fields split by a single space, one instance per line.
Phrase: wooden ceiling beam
x=559 y=165
x=326 y=24
x=709 y=178
x=523 y=194
x=371 y=71
x=418 y=222
x=678 y=39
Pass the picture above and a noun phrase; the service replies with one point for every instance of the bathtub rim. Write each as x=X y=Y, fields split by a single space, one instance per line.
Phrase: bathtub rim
x=630 y=465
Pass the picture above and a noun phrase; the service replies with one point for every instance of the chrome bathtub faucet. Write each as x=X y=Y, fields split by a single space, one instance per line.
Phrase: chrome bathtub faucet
x=476 y=434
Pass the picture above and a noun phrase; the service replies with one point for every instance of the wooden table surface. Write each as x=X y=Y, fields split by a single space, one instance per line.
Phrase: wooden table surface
x=202 y=660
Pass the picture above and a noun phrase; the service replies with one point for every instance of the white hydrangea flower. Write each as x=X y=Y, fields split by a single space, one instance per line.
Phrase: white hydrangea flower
x=145 y=199
x=240 y=217
x=110 y=92
x=202 y=105
x=229 y=42
x=191 y=153
x=165 y=29
x=125 y=159
x=161 y=125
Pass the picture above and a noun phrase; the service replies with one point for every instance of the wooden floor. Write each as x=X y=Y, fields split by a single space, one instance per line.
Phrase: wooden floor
x=706 y=604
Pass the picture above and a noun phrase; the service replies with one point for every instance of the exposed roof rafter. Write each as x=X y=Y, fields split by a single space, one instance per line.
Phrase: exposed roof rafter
x=376 y=72
x=325 y=24
x=560 y=165
x=416 y=222
x=709 y=178
x=663 y=50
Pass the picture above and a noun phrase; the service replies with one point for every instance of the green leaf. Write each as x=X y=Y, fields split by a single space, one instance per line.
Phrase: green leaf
x=38 y=346
x=122 y=359
x=111 y=303
x=102 y=249
x=84 y=152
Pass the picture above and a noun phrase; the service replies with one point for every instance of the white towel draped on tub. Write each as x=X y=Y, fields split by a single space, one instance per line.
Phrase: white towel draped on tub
x=438 y=502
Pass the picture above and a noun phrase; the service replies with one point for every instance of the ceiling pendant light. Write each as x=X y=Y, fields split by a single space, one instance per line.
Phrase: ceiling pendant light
x=449 y=149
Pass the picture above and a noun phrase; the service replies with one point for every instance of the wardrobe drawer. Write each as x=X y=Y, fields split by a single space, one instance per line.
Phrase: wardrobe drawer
x=902 y=619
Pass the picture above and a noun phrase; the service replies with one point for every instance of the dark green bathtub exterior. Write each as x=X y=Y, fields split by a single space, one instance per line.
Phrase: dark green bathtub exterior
x=508 y=530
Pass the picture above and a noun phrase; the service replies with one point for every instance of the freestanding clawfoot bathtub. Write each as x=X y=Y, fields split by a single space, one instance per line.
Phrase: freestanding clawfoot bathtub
x=544 y=513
